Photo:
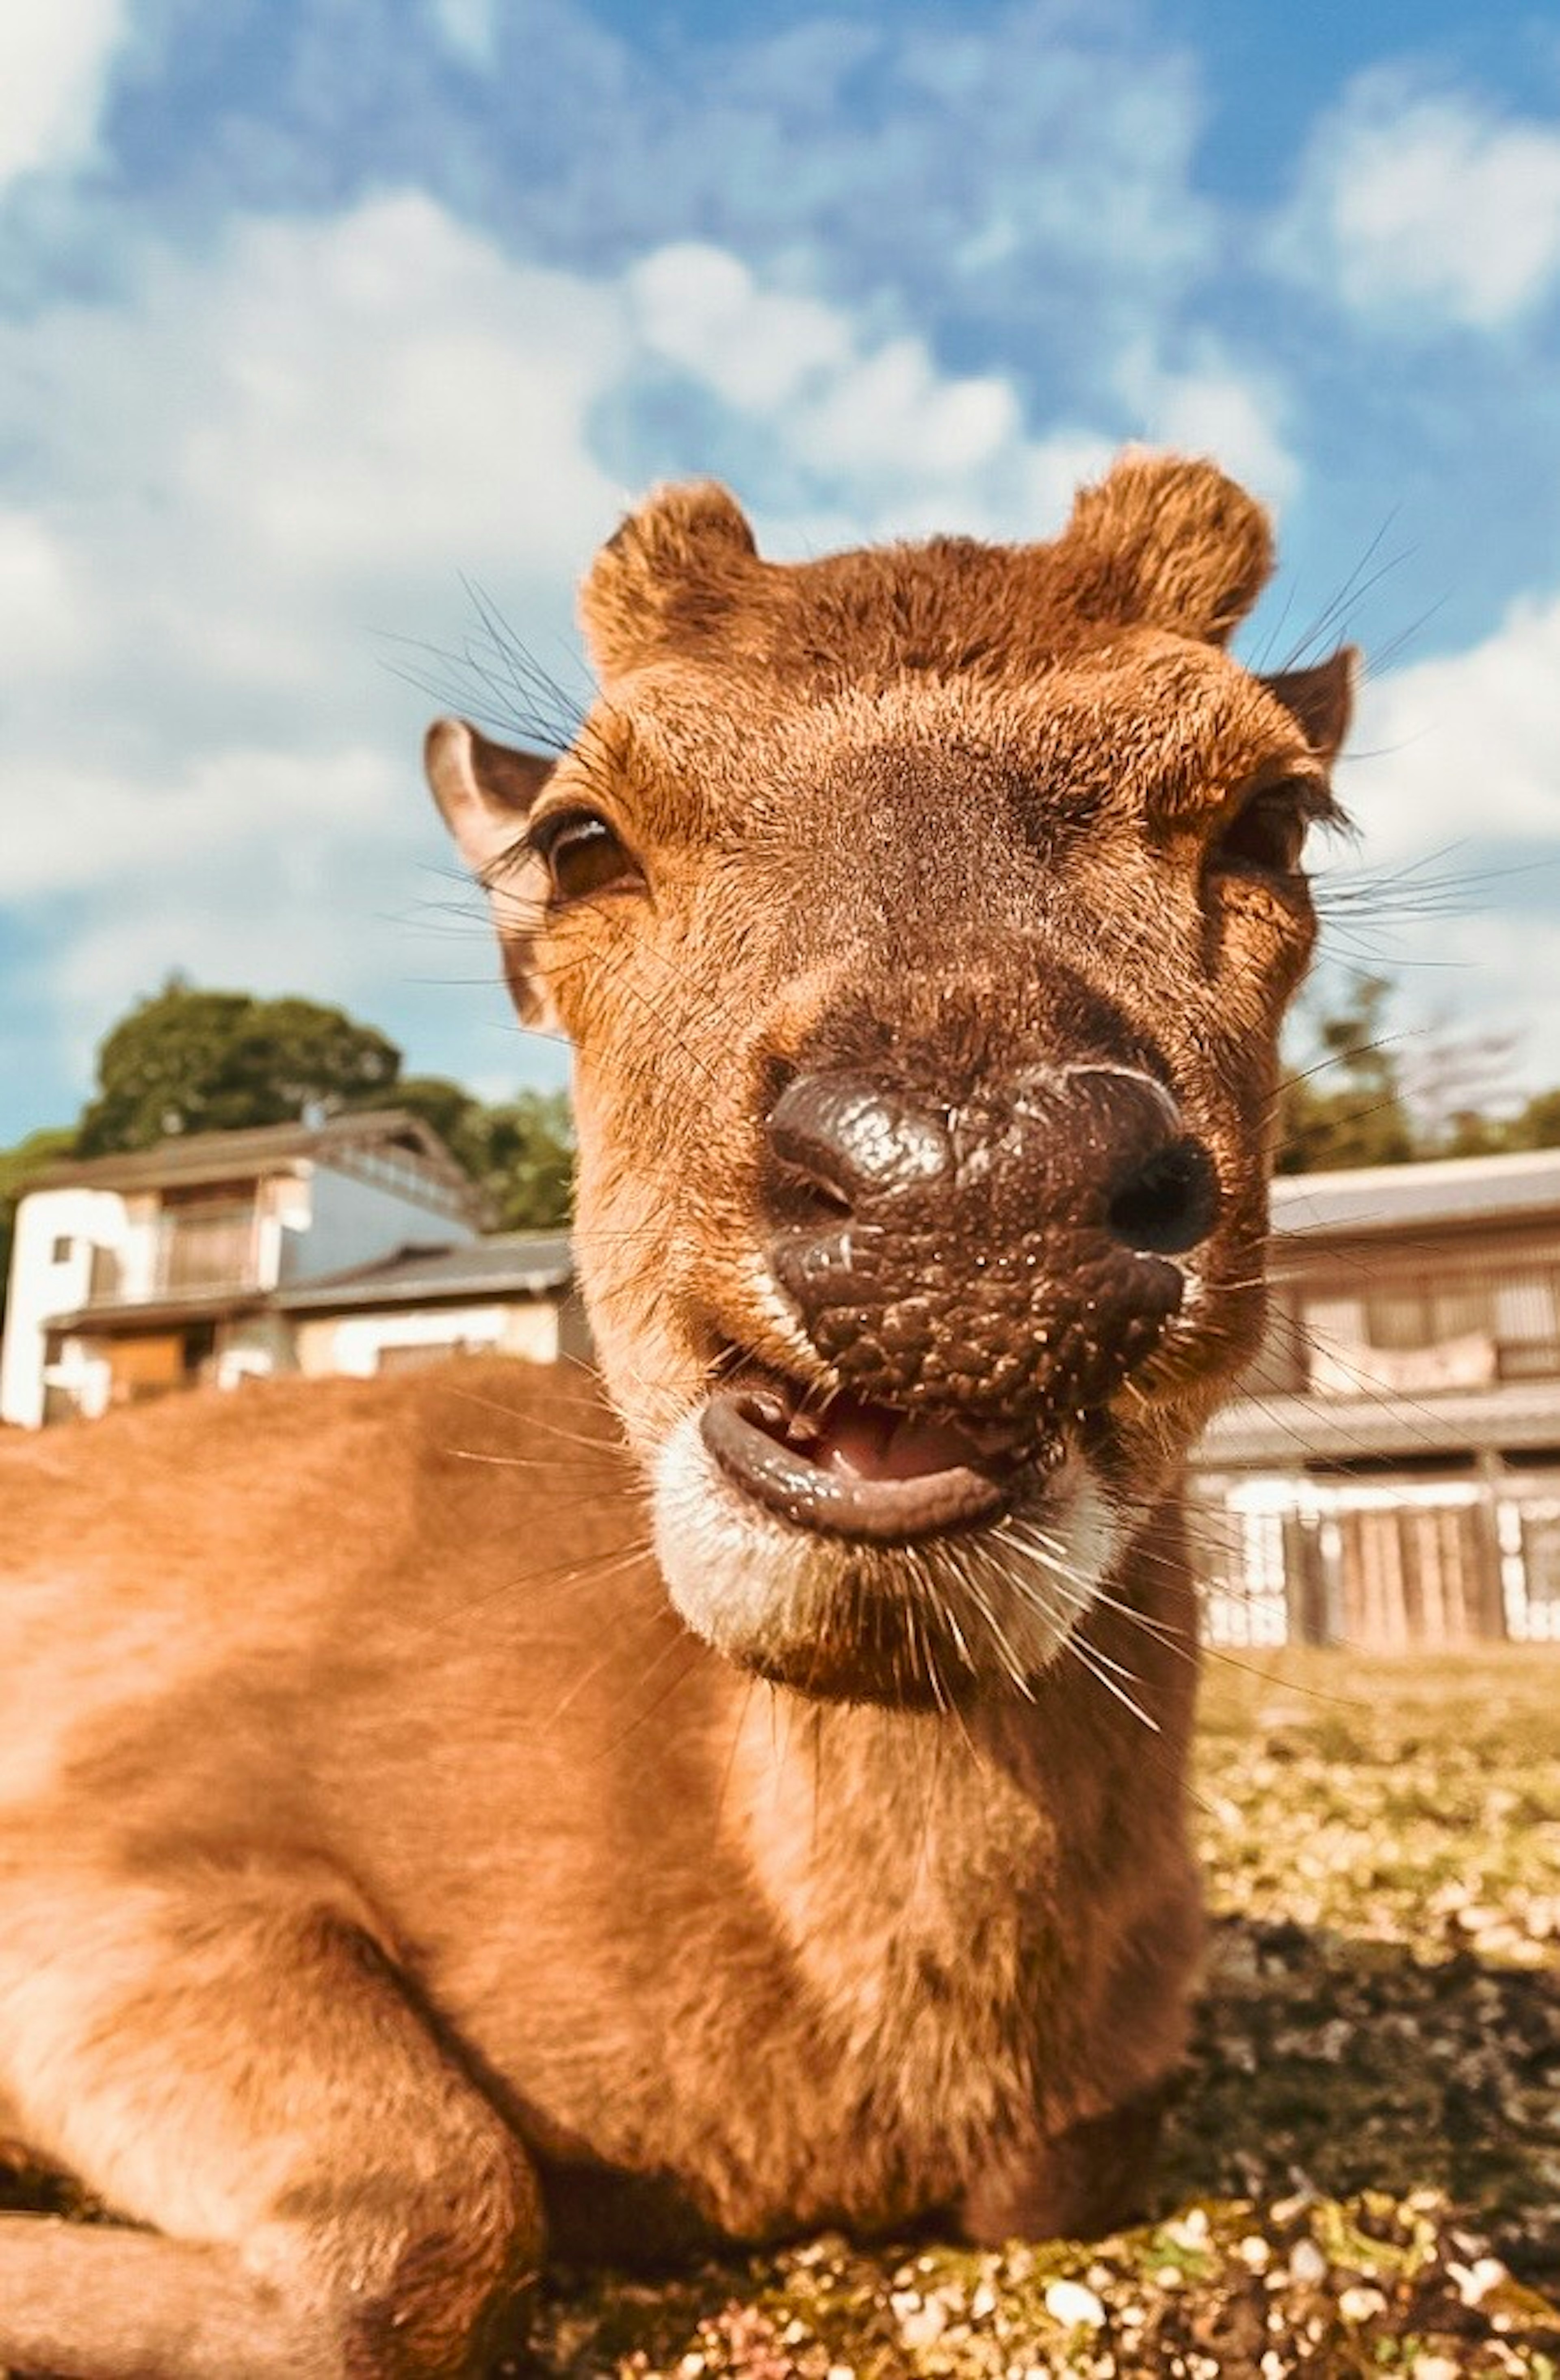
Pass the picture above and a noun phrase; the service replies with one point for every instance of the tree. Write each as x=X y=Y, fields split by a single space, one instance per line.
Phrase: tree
x=1537 y=1125
x=1347 y=1108
x=446 y=1108
x=520 y=1153
x=190 y=1061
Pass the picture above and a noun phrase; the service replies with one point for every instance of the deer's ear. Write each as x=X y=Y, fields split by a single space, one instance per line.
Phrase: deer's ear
x=1164 y=542
x=486 y=791
x=670 y=572
x=1322 y=699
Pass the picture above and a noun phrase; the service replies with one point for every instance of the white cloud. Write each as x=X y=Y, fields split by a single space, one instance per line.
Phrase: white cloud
x=881 y=441
x=45 y=611
x=239 y=472
x=1456 y=789
x=700 y=307
x=260 y=458
x=80 y=827
x=1421 y=207
x=1212 y=408
x=54 y=56
x=469 y=27
x=1466 y=747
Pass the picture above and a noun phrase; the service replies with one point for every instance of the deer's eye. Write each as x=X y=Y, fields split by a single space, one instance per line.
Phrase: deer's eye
x=583 y=855
x=1266 y=834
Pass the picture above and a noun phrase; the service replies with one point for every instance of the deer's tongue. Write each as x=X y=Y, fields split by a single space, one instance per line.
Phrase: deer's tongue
x=858 y=1470
x=860 y=1441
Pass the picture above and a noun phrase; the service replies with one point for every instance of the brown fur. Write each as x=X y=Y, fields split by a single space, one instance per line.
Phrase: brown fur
x=393 y=1879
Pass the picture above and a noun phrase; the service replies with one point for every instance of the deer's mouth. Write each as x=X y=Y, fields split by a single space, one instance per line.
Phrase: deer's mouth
x=869 y=1473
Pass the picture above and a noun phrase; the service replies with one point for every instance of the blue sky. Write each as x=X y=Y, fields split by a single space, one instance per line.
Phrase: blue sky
x=313 y=312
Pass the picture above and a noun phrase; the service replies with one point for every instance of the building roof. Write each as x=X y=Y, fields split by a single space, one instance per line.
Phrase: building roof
x=337 y=1141
x=1290 y=1432
x=525 y=1263
x=1442 y=1190
x=127 y=1317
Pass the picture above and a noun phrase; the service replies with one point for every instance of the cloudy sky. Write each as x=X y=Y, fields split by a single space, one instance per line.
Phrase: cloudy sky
x=316 y=315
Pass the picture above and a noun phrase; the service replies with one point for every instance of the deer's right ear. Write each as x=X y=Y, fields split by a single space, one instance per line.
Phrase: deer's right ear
x=486 y=791
x=483 y=789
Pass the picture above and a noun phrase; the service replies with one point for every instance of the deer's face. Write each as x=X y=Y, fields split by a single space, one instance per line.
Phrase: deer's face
x=923 y=948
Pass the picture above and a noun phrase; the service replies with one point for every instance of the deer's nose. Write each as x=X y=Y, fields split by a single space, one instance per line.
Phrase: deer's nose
x=1011 y=1226
x=843 y=1143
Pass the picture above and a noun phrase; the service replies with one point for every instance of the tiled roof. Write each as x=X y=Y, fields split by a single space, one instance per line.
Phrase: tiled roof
x=1373 y=1198
x=1291 y=1431
x=507 y=1263
x=225 y=1156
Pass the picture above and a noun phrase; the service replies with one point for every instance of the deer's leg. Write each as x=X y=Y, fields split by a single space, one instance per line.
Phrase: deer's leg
x=233 y=2058
x=1081 y=2184
x=85 y=2303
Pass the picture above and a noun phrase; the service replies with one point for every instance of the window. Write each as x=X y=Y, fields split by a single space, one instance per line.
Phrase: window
x=63 y=1250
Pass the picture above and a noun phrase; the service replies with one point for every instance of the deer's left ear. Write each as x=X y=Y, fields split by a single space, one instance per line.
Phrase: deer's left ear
x=1163 y=541
x=486 y=792
x=1321 y=699
x=483 y=789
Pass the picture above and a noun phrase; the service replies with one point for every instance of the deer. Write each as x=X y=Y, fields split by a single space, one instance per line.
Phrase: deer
x=482 y=1813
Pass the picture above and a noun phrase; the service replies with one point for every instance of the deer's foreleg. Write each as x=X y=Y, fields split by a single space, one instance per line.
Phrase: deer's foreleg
x=229 y=2055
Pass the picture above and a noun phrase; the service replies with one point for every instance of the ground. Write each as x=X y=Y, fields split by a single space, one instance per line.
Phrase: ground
x=1363 y=2169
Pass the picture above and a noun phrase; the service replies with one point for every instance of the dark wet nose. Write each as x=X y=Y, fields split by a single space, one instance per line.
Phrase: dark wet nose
x=850 y=1144
x=954 y=1253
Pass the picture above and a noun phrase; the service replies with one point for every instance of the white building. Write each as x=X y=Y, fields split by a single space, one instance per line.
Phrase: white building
x=137 y=1273
x=512 y=1293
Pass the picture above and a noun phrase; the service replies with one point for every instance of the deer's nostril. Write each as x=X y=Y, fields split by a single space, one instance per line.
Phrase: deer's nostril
x=838 y=1141
x=801 y=1194
x=1166 y=1205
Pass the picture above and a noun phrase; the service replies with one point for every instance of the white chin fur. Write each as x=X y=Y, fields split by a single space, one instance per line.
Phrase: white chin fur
x=761 y=1591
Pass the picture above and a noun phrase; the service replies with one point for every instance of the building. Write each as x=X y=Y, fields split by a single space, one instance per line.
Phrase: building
x=1389 y=1473
x=139 y=1273
x=511 y=1293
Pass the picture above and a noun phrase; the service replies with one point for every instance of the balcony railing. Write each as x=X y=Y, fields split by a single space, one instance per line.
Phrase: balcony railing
x=191 y=1254
x=206 y=1252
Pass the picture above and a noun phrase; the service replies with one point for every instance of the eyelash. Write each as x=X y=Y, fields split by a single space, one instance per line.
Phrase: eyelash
x=583 y=855
x=1266 y=836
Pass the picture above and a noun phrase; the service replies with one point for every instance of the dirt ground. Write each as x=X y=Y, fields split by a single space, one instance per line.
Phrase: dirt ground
x=1362 y=2168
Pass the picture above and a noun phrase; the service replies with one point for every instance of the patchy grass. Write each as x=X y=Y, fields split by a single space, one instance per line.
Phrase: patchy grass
x=1361 y=2172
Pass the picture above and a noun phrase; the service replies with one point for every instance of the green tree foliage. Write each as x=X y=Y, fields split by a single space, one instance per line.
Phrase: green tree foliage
x=1347 y=1106
x=520 y=1152
x=523 y=1153
x=445 y=1107
x=190 y=1061
x=1537 y=1124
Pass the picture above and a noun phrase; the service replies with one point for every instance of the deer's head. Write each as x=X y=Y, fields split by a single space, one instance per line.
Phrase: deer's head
x=923 y=919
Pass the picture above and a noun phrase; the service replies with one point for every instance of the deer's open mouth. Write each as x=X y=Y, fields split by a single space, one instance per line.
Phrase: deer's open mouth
x=868 y=1472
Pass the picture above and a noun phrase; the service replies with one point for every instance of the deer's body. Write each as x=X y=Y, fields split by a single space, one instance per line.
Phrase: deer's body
x=403 y=1860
